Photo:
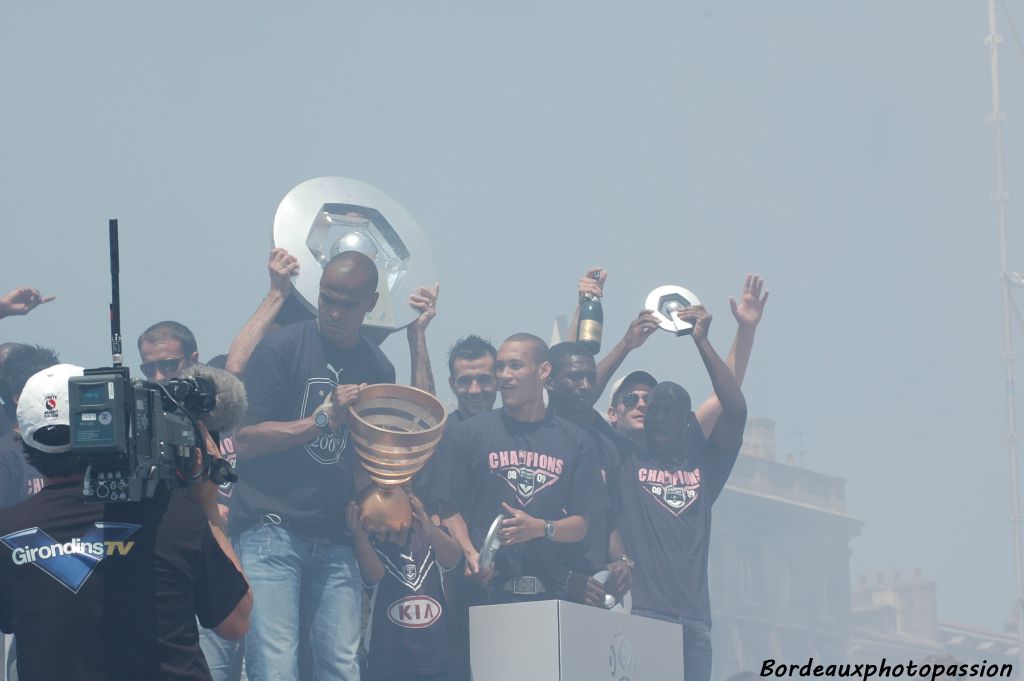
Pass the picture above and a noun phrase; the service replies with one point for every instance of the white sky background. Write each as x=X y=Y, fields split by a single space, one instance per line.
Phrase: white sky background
x=838 y=148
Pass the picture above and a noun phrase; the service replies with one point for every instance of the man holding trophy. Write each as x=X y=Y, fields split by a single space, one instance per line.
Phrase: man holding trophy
x=289 y=509
x=533 y=468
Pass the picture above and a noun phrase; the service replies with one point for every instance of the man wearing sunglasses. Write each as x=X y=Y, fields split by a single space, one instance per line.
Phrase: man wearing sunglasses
x=167 y=349
x=630 y=394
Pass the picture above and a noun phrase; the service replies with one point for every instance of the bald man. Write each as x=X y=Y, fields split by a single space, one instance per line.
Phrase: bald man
x=288 y=507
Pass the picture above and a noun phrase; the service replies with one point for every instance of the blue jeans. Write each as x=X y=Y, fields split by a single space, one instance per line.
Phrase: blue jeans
x=696 y=644
x=223 y=657
x=306 y=596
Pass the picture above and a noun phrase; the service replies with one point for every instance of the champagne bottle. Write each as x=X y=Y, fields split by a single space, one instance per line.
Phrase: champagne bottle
x=591 y=321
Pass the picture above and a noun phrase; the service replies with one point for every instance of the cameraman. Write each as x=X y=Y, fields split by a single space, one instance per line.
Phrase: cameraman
x=96 y=591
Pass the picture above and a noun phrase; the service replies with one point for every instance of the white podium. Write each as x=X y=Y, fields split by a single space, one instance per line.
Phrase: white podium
x=561 y=641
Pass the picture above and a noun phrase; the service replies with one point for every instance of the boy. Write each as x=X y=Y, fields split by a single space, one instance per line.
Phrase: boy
x=408 y=637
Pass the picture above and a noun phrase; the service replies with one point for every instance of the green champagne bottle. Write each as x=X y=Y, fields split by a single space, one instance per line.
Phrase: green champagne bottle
x=591 y=321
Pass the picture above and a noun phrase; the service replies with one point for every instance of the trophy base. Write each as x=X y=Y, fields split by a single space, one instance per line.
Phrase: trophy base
x=384 y=510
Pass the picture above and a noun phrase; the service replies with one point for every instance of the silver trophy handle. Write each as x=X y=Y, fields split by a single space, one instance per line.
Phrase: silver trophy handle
x=492 y=542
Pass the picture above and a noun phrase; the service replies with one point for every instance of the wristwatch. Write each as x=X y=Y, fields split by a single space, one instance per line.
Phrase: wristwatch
x=549 y=529
x=322 y=421
x=627 y=560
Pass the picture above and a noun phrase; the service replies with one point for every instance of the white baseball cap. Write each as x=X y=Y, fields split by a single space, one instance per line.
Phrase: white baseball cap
x=632 y=378
x=43 y=412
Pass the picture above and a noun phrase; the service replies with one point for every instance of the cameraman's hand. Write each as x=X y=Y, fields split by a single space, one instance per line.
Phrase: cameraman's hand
x=282 y=266
x=344 y=396
x=205 y=490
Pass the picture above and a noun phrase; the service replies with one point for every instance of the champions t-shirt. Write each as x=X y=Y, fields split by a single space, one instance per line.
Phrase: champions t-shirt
x=547 y=468
x=111 y=592
x=409 y=634
x=666 y=526
x=289 y=375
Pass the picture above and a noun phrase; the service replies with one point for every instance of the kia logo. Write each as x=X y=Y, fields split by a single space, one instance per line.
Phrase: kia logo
x=414 y=612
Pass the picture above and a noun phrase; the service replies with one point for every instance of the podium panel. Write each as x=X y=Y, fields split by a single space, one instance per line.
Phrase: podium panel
x=561 y=641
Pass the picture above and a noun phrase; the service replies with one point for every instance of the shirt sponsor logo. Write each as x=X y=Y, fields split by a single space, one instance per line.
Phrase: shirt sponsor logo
x=71 y=562
x=527 y=473
x=414 y=612
x=675 y=491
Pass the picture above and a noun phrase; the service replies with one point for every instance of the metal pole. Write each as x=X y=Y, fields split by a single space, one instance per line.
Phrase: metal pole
x=1000 y=198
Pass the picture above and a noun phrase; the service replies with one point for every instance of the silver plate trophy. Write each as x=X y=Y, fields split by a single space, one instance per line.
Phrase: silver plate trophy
x=665 y=301
x=492 y=542
x=326 y=216
x=602 y=578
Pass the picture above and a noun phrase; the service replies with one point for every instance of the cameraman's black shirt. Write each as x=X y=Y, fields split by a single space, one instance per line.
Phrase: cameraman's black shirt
x=111 y=592
x=307 y=487
x=18 y=480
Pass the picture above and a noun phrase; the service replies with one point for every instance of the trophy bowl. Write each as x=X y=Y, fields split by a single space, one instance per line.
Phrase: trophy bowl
x=395 y=430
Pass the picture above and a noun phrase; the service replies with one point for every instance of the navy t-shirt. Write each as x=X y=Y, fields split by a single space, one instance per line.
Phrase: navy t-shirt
x=111 y=592
x=666 y=526
x=595 y=543
x=409 y=633
x=547 y=468
x=289 y=375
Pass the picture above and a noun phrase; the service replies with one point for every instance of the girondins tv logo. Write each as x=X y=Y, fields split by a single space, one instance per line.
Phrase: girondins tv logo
x=70 y=562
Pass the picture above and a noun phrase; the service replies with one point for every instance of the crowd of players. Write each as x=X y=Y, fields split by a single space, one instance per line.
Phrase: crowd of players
x=595 y=505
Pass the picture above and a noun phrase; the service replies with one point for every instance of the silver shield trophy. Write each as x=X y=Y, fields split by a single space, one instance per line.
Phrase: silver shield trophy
x=666 y=301
x=326 y=216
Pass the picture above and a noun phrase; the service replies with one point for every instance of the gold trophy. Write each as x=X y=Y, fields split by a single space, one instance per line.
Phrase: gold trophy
x=395 y=430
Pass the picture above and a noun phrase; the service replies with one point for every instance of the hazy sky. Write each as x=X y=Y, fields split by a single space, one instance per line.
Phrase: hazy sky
x=838 y=148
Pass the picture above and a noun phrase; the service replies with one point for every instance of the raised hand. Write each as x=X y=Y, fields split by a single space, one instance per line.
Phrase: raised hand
x=341 y=399
x=21 y=301
x=589 y=286
x=750 y=307
x=700 y=318
x=424 y=300
x=281 y=267
x=640 y=329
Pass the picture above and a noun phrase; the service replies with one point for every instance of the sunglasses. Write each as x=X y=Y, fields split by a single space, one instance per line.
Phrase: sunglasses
x=166 y=366
x=631 y=399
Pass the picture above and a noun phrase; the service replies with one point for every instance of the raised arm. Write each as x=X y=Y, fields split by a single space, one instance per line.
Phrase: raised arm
x=748 y=312
x=21 y=301
x=282 y=266
x=589 y=285
x=640 y=329
x=424 y=300
x=727 y=434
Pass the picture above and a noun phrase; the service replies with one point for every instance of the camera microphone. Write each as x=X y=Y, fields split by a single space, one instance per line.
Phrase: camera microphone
x=231 y=403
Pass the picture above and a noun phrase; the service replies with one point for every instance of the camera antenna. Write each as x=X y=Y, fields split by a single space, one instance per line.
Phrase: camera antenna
x=115 y=299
